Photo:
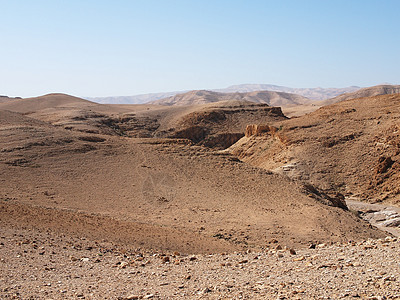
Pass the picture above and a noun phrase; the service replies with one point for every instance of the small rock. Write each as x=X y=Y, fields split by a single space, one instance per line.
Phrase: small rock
x=292 y=251
x=149 y=296
x=205 y=291
x=299 y=258
x=390 y=239
x=389 y=278
x=132 y=297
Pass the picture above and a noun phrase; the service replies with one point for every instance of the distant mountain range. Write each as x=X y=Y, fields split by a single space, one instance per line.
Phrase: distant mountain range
x=311 y=93
x=137 y=99
x=203 y=97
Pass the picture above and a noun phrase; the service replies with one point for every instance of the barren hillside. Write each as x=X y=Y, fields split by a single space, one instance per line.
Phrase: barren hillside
x=351 y=147
x=216 y=124
x=162 y=187
x=50 y=101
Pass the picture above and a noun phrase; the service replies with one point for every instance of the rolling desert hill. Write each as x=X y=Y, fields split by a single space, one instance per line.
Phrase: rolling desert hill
x=172 y=194
x=50 y=101
x=362 y=93
x=218 y=124
x=63 y=111
x=203 y=97
x=351 y=146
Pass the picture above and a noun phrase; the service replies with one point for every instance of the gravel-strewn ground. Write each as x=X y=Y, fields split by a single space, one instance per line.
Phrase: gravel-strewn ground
x=45 y=265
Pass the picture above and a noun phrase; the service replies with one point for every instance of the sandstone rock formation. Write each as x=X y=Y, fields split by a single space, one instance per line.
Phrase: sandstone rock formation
x=257 y=130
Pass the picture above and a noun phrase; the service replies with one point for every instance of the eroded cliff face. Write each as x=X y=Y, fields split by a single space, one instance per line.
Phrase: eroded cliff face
x=221 y=127
x=266 y=131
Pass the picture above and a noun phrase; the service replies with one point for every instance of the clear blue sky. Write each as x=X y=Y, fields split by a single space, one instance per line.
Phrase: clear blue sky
x=115 y=47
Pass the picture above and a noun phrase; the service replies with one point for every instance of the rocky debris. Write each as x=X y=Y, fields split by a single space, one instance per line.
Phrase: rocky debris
x=364 y=269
